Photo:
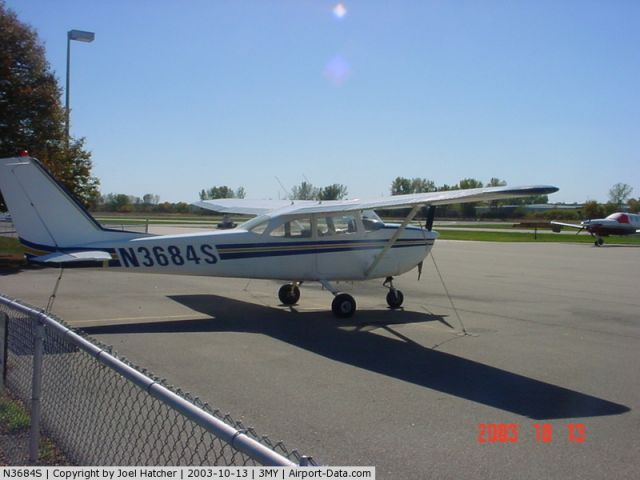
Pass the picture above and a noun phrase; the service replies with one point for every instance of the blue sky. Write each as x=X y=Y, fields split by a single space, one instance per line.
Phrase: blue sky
x=174 y=97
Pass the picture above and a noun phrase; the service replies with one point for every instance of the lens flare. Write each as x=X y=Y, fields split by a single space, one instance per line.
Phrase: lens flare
x=337 y=71
x=339 y=11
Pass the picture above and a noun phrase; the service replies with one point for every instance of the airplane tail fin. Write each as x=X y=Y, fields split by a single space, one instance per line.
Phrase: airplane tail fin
x=46 y=216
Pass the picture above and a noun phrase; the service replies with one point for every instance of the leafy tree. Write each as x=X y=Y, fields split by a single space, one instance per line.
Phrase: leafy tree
x=150 y=199
x=422 y=185
x=593 y=209
x=219 y=192
x=118 y=202
x=634 y=205
x=31 y=115
x=619 y=193
x=403 y=186
x=241 y=192
x=304 y=191
x=469 y=183
x=496 y=182
x=336 y=191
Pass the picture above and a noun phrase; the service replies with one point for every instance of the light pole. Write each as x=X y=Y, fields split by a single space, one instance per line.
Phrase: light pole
x=79 y=36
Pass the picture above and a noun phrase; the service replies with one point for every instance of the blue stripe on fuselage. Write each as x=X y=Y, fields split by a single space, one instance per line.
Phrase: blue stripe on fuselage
x=253 y=250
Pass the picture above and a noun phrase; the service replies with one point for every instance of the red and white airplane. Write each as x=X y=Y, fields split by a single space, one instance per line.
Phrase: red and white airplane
x=618 y=223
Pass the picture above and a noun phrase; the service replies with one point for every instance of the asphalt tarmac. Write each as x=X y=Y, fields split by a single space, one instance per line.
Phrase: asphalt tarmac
x=544 y=334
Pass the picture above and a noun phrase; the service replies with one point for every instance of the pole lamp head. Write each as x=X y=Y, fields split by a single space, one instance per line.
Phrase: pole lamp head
x=81 y=36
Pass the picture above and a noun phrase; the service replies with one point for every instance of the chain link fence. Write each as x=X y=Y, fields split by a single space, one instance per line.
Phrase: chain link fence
x=100 y=409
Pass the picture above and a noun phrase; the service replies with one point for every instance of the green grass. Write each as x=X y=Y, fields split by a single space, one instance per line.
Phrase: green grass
x=14 y=419
x=10 y=245
x=13 y=416
x=496 y=226
x=529 y=237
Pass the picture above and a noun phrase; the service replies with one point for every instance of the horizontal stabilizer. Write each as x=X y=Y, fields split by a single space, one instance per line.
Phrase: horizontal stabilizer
x=71 y=257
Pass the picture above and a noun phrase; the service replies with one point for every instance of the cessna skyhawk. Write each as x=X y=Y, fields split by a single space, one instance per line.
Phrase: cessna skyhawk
x=293 y=241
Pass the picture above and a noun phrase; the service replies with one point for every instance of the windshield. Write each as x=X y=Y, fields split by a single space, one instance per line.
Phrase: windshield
x=371 y=221
x=249 y=224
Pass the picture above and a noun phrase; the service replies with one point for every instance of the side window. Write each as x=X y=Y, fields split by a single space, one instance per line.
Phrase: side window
x=336 y=225
x=298 y=228
x=260 y=228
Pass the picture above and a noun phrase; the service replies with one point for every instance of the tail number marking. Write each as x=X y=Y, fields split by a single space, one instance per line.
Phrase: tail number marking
x=163 y=257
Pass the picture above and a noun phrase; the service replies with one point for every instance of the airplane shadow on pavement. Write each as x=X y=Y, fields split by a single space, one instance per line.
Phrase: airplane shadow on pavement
x=398 y=357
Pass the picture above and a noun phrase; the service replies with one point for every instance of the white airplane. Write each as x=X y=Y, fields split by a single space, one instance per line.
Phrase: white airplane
x=294 y=241
x=618 y=223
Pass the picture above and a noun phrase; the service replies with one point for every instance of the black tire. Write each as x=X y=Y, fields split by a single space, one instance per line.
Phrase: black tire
x=395 y=301
x=289 y=294
x=343 y=305
x=599 y=242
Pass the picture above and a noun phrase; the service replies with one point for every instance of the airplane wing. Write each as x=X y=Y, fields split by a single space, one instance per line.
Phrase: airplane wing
x=295 y=207
x=240 y=206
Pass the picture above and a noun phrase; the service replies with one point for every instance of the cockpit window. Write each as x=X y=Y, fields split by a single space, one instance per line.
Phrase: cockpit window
x=298 y=228
x=337 y=225
x=259 y=228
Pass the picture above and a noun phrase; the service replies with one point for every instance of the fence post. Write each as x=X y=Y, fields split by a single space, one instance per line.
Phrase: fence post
x=36 y=388
x=4 y=337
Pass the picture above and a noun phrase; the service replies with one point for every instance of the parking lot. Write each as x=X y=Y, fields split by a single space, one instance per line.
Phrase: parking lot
x=544 y=334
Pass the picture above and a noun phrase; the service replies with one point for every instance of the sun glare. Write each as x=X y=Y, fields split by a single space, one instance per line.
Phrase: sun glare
x=339 y=11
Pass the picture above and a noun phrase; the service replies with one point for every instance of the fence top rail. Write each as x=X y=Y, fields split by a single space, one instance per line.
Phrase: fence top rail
x=234 y=437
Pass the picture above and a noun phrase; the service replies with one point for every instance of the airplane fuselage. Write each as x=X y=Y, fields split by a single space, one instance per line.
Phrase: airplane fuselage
x=244 y=254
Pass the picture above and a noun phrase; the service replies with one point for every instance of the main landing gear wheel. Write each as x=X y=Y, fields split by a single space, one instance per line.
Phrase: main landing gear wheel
x=395 y=298
x=289 y=294
x=598 y=242
x=343 y=305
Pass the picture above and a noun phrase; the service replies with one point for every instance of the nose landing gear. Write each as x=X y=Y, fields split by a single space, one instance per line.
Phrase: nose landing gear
x=289 y=294
x=343 y=304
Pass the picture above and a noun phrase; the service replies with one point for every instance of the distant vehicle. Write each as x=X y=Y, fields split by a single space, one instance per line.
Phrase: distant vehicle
x=5 y=217
x=618 y=223
x=295 y=241
x=226 y=223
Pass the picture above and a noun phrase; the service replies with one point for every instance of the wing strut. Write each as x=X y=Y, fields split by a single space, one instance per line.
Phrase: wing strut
x=392 y=240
